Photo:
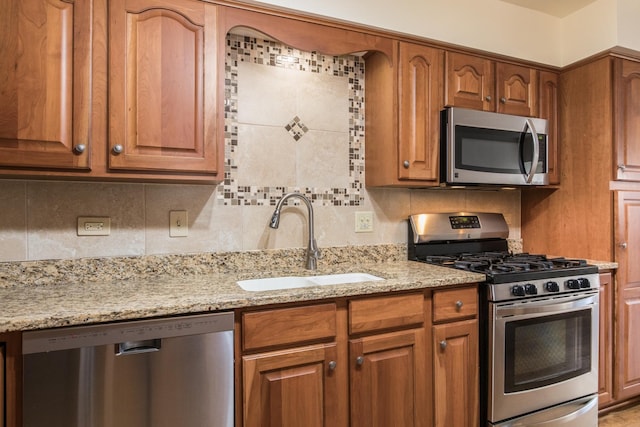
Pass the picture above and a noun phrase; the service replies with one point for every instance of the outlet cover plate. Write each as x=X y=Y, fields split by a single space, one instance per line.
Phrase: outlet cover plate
x=364 y=222
x=94 y=226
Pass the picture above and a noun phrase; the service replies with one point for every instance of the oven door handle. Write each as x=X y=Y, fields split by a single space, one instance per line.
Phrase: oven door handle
x=546 y=306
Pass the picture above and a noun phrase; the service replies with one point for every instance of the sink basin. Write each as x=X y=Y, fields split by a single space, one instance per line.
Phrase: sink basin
x=288 y=282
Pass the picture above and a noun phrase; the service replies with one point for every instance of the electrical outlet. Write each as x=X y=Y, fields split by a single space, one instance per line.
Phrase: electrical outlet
x=178 y=224
x=364 y=222
x=94 y=226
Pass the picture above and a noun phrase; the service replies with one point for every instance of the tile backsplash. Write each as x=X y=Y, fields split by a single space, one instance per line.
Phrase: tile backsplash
x=294 y=121
x=295 y=127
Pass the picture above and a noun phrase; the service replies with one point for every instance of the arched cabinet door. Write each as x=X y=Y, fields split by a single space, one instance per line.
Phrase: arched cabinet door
x=626 y=119
x=420 y=83
x=162 y=86
x=470 y=82
x=45 y=84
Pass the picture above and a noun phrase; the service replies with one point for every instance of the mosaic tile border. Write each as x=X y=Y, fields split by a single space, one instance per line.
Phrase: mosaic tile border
x=262 y=51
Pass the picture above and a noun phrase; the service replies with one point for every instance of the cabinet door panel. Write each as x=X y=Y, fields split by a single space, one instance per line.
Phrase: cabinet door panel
x=387 y=380
x=517 y=89
x=421 y=74
x=290 y=388
x=2 y=382
x=627 y=119
x=627 y=377
x=455 y=374
x=45 y=83
x=162 y=75
x=548 y=107
x=605 y=361
x=470 y=82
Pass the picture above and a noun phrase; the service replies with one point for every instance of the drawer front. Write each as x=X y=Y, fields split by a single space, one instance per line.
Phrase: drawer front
x=286 y=326
x=378 y=313
x=454 y=304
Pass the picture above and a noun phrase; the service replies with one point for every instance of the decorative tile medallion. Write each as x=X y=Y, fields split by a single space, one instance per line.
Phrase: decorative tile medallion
x=296 y=128
x=269 y=53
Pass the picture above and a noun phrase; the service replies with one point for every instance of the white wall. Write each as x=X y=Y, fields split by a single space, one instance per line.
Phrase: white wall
x=495 y=26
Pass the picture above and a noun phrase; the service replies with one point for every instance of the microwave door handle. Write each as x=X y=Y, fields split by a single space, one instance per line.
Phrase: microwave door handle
x=536 y=150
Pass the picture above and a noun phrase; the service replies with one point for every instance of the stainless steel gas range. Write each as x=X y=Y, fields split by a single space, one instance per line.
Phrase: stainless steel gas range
x=538 y=321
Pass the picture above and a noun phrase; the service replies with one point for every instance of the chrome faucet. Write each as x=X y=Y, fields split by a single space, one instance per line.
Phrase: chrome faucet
x=313 y=253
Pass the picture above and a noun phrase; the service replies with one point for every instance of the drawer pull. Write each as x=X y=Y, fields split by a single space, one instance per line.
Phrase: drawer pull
x=459 y=305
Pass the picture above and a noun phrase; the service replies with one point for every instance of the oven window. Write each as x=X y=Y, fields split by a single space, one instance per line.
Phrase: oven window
x=546 y=350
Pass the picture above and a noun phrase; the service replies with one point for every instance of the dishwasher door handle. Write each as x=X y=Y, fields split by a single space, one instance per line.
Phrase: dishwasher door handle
x=137 y=347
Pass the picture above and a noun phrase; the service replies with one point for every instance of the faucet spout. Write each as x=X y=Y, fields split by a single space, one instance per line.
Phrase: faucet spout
x=313 y=253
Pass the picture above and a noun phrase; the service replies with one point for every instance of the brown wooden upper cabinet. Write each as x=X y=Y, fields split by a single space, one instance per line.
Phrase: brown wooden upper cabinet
x=404 y=99
x=482 y=84
x=626 y=136
x=162 y=86
x=45 y=84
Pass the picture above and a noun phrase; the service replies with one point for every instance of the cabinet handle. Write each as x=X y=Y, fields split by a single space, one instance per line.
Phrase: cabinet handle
x=443 y=344
x=406 y=164
x=459 y=305
x=503 y=100
x=79 y=149
x=623 y=245
x=622 y=168
x=359 y=360
x=117 y=149
x=332 y=365
x=488 y=98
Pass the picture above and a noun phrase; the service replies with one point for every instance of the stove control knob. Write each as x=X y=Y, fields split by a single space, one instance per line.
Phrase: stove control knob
x=518 y=290
x=572 y=284
x=530 y=289
x=584 y=283
x=552 y=287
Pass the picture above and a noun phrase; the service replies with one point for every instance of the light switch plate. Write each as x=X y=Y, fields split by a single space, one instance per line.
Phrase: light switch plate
x=178 y=224
x=94 y=226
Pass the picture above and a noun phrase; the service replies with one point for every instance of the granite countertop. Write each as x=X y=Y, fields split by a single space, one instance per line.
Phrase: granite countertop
x=46 y=306
x=49 y=294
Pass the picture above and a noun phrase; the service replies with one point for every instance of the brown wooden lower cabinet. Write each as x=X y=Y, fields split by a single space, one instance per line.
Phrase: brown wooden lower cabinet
x=605 y=354
x=385 y=372
x=10 y=379
x=456 y=390
x=2 y=382
x=361 y=361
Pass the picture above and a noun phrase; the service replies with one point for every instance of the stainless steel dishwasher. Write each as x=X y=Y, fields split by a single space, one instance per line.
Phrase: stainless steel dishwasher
x=149 y=373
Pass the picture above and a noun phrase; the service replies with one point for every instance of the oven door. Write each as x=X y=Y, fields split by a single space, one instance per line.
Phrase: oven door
x=542 y=352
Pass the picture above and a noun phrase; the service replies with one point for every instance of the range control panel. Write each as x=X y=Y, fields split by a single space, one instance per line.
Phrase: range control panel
x=543 y=287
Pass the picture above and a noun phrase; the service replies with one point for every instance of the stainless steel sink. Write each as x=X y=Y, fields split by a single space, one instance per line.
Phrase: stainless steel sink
x=288 y=282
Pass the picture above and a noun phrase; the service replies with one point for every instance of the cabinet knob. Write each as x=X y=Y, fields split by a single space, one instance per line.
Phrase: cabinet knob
x=443 y=344
x=359 y=360
x=459 y=305
x=117 y=149
x=332 y=365
x=622 y=167
x=503 y=100
x=623 y=245
x=79 y=149
x=406 y=164
x=488 y=98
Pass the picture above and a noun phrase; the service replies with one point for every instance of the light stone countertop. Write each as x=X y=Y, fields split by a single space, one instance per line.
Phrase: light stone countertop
x=47 y=306
x=56 y=293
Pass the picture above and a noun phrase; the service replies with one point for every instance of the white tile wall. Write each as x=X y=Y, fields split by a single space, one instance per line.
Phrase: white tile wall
x=38 y=218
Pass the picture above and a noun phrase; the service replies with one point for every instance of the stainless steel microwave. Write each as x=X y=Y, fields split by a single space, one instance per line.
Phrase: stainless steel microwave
x=483 y=148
